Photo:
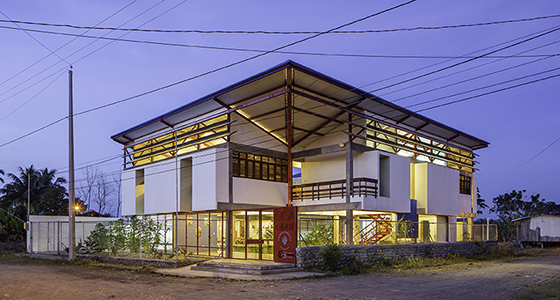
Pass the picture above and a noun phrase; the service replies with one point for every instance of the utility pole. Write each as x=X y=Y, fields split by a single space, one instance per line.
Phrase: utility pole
x=71 y=213
x=28 y=193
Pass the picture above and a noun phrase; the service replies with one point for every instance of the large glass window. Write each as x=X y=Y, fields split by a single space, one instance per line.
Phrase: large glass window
x=254 y=166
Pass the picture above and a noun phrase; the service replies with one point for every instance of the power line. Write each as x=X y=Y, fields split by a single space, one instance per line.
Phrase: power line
x=526 y=162
x=469 y=79
x=19 y=107
x=282 y=32
x=211 y=71
x=489 y=93
x=27 y=68
x=279 y=52
x=475 y=67
x=484 y=87
x=43 y=45
x=554 y=29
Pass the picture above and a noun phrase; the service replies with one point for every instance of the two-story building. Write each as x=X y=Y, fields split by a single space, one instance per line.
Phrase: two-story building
x=291 y=136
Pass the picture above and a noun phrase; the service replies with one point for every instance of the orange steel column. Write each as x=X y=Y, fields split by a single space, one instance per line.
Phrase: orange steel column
x=289 y=137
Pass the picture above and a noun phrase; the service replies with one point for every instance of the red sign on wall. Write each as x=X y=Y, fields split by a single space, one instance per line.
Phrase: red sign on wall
x=285 y=234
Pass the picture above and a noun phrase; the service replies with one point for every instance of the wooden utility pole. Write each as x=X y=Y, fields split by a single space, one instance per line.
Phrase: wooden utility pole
x=71 y=213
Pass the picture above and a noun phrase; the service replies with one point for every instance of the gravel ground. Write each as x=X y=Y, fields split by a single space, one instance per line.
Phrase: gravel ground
x=486 y=280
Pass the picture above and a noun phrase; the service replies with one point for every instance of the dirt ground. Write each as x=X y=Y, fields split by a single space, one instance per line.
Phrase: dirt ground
x=486 y=280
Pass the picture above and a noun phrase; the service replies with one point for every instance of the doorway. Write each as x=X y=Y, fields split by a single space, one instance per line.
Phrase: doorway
x=253 y=234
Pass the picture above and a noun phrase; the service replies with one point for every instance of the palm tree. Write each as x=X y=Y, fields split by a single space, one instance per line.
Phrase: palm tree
x=45 y=189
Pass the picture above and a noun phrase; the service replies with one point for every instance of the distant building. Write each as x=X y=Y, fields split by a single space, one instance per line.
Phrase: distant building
x=538 y=230
x=223 y=162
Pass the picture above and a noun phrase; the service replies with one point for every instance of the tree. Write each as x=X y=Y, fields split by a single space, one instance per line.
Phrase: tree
x=96 y=190
x=480 y=202
x=46 y=192
x=514 y=205
x=118 y=185
x=46 y=195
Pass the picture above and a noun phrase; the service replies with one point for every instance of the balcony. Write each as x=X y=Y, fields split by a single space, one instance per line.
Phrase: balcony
x=335 y=189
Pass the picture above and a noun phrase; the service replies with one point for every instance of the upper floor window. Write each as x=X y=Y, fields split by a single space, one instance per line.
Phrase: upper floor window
x=465 y=185
x=247 y=165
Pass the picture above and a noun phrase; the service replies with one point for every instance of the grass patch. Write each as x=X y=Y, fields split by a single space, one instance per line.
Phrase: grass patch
x=21 y=258
x=499 y=253
x=545 y=290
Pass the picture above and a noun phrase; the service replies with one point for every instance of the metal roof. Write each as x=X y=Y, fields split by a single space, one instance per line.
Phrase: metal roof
x=317 y=96
x=535 y=216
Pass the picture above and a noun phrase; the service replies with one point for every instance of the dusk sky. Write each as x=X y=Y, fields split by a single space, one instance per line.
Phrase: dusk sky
x=519 y=122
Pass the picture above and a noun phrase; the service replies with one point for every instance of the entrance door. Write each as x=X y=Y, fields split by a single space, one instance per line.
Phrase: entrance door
x=253 y=234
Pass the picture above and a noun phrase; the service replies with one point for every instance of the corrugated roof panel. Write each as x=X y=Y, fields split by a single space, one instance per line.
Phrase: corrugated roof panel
x=315 y=83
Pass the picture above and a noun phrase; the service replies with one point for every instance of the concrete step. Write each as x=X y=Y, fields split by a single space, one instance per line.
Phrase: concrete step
x=244 y=267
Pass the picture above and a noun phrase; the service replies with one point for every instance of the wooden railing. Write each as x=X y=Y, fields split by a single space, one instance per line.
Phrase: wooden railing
x=336 y=188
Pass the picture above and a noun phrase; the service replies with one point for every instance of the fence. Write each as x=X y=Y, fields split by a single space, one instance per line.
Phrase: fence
x=380 y=229
x=160 y=236
x=205 y=234
x=50 y=233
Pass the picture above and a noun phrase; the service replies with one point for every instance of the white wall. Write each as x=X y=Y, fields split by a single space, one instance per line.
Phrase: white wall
x=436 y=188
x=210 y=178
x=252 y=191
x=399 y=186
x=204 y=180
x=443 y=191
x=160 y=182
x=128 y=194
x=549 y=225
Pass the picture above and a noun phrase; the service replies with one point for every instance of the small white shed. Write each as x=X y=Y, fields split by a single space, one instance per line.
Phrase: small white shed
x=538 y=229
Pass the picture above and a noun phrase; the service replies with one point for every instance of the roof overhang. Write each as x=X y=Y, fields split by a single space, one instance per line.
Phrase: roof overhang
x=308 y=88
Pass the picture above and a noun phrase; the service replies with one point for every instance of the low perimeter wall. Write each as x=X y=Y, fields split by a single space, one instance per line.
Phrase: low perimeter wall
x=310 y=257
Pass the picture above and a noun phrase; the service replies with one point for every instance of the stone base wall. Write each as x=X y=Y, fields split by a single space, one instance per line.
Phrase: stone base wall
x=310 y=257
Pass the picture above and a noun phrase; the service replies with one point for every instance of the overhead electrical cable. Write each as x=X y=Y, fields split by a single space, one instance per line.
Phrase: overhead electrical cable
x=35 y=96
x=452 y=59
x=284 y=32
x=68 y=56
x=59 y=48
x=35 y=39
x=483 y=87
x=470 y=79
x=554 y=29
x=489 y=93
x=119 y=39
x=474 y=67
x=150 y=20
x=526 y=162
x=214 y=70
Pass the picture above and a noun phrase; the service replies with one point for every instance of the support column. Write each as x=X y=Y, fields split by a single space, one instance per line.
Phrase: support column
x=349 y=186
x=336 y=230
x=229 y=232
x=289 y=132
x=470 y=228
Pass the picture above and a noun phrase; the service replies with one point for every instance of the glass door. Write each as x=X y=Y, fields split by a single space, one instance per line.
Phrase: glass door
x=253 y=234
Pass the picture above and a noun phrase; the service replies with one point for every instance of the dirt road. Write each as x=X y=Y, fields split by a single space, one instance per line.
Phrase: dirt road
x=488 y=280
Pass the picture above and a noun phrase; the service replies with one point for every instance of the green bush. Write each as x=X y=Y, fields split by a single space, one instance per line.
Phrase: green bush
x=98 y=240
x=320 y=235
x=331 y=255
x=354 y=267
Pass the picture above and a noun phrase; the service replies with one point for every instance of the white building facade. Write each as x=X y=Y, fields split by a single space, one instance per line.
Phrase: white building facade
x=355 y=166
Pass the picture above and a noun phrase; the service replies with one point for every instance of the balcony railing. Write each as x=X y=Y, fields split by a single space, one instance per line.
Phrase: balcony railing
x=336 y=188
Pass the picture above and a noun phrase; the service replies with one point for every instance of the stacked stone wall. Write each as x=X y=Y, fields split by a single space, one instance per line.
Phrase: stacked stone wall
x=310 y=257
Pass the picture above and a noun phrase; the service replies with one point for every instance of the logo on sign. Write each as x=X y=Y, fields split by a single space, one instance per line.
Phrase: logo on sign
x=284 y=237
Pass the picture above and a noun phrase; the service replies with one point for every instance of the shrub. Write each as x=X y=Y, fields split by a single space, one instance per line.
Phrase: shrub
x=331 y=255
x=354 y=267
